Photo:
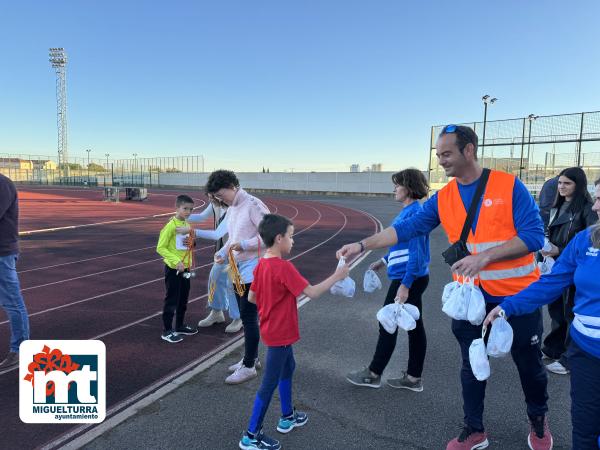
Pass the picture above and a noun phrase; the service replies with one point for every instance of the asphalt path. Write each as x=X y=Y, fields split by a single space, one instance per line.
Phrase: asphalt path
x=339 y=335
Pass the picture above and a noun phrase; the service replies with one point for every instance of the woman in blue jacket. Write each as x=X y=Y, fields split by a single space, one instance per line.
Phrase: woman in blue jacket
x=408 y=269
x=579 y=264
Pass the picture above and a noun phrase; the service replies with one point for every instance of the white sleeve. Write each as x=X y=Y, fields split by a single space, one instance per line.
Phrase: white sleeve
x=214 y=235
x=202 y=216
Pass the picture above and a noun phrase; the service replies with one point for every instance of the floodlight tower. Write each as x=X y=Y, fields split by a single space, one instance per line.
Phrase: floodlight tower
x=58 y=60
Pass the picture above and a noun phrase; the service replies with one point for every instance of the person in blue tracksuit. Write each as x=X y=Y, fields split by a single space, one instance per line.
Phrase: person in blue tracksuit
x=579 y=264
x=408 y=269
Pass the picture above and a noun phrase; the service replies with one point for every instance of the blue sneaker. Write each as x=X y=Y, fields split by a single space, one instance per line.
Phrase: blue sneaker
x=260 y=442
x=287 y=424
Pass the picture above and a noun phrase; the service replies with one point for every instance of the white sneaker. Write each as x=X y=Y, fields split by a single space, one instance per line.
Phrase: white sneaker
x=234 y=326
x=240 y=363
x=557 y=367
x=213 y=317
x=241 y=375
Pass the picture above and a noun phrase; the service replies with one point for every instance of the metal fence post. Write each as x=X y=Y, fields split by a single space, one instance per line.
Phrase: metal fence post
x=580 y=141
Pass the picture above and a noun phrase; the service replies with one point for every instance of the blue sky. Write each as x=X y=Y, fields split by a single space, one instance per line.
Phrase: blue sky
x=308 y=85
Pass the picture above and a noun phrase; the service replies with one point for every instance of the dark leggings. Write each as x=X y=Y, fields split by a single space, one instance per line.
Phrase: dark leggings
x=249 y=316
x=417 y=340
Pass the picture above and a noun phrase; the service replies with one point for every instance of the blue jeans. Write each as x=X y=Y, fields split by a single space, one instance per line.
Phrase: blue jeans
x=278 y=372
x=12 y=302
x=224 y=297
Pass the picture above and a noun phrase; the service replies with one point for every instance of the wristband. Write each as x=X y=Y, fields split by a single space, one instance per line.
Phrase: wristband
x=362 y=246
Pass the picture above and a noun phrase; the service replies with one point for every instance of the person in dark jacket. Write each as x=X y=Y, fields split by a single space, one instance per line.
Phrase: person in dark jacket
x=570 y=214
x=11 y=299
x=547 y=197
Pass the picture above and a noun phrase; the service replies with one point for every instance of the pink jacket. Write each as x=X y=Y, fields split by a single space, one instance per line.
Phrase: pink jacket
x=243 y=217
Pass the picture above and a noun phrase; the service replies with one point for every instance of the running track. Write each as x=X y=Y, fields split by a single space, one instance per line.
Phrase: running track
x=89 y=270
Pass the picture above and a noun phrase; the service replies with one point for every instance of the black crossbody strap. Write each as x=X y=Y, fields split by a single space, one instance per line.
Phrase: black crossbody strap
x=471 y=214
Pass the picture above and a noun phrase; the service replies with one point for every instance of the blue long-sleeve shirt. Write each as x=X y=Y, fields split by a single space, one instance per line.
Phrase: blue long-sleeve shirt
x=408 y=260
x=579 y=264
x=526 y=217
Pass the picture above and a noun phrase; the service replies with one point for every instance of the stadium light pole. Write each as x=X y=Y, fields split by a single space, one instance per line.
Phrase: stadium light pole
x=531 y=118
x=487 y=100
x=88 y=165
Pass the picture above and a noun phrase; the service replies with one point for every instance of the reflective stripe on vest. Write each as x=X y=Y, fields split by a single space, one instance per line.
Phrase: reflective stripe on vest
x=507 y=273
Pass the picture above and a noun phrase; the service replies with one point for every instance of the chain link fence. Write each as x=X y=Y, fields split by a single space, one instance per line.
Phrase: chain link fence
x=533 y=148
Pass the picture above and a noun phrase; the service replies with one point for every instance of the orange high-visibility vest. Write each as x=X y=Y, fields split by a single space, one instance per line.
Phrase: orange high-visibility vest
x=495 y=226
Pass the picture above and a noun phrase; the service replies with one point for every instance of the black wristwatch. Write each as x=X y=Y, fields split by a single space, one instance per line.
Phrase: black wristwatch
x=362 y=246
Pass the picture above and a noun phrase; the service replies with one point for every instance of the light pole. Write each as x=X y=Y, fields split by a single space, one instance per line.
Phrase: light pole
x=88 y=165
x=487 y=100
x=531 y=118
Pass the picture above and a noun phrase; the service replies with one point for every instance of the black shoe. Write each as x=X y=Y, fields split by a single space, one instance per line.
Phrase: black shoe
x=171 y=337
x=187 y=330
x=11 y=361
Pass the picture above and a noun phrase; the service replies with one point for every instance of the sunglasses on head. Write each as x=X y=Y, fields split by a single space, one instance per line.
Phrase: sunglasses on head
x=449 y=129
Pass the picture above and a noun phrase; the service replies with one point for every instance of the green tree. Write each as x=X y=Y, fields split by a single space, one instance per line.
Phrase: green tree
x=93 y=167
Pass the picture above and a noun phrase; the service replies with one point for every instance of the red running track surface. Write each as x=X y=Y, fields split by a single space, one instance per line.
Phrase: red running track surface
x=105 y=281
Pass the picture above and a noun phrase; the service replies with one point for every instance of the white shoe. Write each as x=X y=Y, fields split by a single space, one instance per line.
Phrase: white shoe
x=241 y=375
x=557 y=367
x=240 y=363
x=234 y=326
x=214 y=317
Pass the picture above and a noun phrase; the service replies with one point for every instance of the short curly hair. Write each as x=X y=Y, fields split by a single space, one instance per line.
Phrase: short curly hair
x=221 y=179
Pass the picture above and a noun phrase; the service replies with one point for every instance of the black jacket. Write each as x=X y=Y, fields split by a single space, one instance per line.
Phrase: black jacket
x=564 y=227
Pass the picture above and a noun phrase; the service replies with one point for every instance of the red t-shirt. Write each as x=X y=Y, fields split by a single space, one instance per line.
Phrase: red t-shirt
x=277 y=284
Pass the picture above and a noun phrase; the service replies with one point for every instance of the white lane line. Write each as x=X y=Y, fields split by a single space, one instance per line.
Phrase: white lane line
x=150 y=394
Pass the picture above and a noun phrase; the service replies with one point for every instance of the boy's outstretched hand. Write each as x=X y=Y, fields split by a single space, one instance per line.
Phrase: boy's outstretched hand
x=182 y=230
x=342 y=272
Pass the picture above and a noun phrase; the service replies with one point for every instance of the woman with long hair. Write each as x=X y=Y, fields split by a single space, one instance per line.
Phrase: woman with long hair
x=570 y=214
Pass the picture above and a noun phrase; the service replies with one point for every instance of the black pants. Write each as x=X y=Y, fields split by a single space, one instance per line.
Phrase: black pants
x=176 y=298
x=525 y=351
x=561 y=315
x=417 y=340
x=249 y=316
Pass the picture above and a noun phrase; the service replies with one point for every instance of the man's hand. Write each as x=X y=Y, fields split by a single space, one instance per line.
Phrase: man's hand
x=401 y=294
x=218 y=259
x=237 y=247
x=182 y=230
x=553 y=251
x=471 y=265
x=348 y=251
x=180 y=267
x=376 y=265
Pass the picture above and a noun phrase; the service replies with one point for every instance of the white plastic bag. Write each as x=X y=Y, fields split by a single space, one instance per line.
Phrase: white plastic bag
x=371 y=281
x=458 y=302
x=405 y=319
x=501 y=337
x=546 y=265
x=388 y=317
x=480 y=365
x=476 y=308
x=412 y=310
x=345 y=287
x=448 y=290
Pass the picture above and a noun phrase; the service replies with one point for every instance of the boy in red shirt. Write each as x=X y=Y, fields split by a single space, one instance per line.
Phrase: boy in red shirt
x=277 y=284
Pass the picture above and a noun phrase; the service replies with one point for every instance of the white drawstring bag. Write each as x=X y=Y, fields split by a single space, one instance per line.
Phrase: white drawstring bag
x=546 y=265
x=412 y=310
x=345 y=287
x=371 y=281
x=406 y=321
x=476 y=308
x=480 y=365
x=388 y=317
x=448 y=290
x=501 y=337
x=457 y=304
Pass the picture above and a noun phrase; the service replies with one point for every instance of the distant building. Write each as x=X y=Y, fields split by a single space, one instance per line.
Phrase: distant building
x=376 y=167
x=15 y=163
x=44 y=164
x=355 y=168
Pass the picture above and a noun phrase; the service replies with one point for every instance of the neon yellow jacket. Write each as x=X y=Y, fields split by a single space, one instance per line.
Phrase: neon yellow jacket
x=167 y=247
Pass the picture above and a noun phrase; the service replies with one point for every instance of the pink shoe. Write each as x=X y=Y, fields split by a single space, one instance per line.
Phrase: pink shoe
x=469 y=440
x=539 y=437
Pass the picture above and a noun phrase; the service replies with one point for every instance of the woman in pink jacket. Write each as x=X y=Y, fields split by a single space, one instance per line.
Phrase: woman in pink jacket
x=243 y=216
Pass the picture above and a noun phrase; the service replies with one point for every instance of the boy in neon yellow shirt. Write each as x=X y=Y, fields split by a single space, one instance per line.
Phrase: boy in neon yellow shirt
x=172 y=248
